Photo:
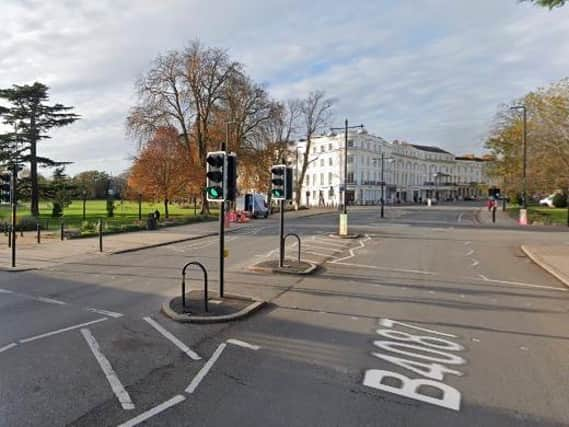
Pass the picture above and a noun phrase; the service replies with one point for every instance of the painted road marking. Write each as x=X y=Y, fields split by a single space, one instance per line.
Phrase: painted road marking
x=320 y=254
x=8 y=347
x=205 y=369
x=528 y=285
x=432 y=352
x=470 y=252
x=105 y=313
x=119 y=390
x=474 y=263
x=60 y=331
x=352 y=250
x=468 y=242
x=375 y=267
x=460 y=217
x=154 y=411
x=5 y=291
x=190 y=353
x=243 y=344
x=50 y=300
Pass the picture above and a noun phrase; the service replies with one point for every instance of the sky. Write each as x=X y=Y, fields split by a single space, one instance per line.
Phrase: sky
x=430 y=72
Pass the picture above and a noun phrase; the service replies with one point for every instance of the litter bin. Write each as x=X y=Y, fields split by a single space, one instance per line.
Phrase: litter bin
x=151 y=222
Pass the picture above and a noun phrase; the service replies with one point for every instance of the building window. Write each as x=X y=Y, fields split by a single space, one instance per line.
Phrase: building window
x=314 y=149
x=350 y=160
x=350 y=142
x=322 y=148
x=329 y=178
x=307 y=180
x=321 y=179
x=329 y=147
x=350 y=177
x=321 y=162
x=330 y=162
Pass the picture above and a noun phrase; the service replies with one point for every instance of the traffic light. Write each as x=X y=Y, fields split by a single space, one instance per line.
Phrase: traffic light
x=231 y=176
x=5 y=187
x=278 y=182
x=216 y=167
x=288 y=184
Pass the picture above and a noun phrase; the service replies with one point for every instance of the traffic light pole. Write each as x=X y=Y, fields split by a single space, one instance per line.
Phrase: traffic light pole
x=281 y=240
x=222 y=227
x=14 y=201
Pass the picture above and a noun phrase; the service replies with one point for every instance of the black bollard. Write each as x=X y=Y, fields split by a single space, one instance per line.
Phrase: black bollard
x=100 y=235
x=62 y=229
x=38 y=232
x=493 y=214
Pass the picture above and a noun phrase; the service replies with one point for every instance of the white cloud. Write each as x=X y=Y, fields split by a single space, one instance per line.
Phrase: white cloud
x=429 y=71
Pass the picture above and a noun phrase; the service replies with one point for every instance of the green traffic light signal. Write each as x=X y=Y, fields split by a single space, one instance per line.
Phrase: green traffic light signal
x=215 y=192
x=277 y=193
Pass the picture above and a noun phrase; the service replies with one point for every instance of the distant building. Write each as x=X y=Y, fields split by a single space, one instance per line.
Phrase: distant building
x=412 y=172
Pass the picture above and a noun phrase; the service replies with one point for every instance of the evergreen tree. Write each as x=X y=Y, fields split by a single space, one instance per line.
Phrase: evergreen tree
x=31 y=119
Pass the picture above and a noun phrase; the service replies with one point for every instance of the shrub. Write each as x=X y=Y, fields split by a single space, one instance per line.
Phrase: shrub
x=57 y=210
x=560 y=200
x=27 y=223
x=517 y=199
x=110 y=208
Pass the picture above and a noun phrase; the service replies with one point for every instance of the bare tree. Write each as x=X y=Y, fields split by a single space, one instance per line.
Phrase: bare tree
x=315 y=115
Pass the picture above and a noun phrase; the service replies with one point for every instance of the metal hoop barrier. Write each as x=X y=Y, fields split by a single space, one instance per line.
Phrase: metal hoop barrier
x=200 y=265
x=297 y=238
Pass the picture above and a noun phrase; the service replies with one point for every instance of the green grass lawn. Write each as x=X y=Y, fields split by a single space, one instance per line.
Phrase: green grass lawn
x=125 y=215
x=542 y=215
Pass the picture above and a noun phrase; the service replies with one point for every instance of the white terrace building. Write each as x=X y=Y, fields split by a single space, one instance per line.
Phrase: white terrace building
x=412 y=173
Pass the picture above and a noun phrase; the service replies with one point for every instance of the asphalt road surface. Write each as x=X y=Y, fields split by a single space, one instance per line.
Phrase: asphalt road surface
x=428 y=319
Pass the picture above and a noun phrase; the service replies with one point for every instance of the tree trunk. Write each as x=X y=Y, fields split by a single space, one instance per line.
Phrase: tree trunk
x=34 y=205
x=166 y=208
x=205 y=205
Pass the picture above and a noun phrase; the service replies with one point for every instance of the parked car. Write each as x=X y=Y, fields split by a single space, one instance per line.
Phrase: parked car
x=547 y=201
x=254 y=204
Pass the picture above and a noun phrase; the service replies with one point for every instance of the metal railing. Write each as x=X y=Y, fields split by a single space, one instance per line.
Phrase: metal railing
x=200 y=265
x=298 y=238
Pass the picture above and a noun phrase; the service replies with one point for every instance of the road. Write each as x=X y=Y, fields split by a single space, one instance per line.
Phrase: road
x=428 y=319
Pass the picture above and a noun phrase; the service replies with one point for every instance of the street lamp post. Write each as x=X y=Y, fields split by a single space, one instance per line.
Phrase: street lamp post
x=344 y=217
x=389 y=160
x=523 y=211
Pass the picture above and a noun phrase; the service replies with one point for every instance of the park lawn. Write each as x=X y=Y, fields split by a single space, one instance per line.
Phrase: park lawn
x=542 y=214
x=125 y=213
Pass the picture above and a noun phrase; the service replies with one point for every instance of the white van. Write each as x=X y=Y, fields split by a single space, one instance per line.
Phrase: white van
x=254 y=204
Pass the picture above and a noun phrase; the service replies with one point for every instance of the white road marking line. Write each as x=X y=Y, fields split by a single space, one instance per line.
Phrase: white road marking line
x=5 y=291
x=468 y=242
x=189 y=352
x=523 y=348
x=483 y=277
x=474 y=263
x=154 y=411
x=119 y=390
x=50 y=300
x=470 y=252
x=323 y=248
x=528 y=285
x=214 y=301
x=460 y=217
x=389 y=323
x=330 y=243
x=205 y=369
x=397 y=270
x=475 y=340
x=243 y=344
x=106 y=313
x=59 y=331
x=8 y=347
x=319 y=254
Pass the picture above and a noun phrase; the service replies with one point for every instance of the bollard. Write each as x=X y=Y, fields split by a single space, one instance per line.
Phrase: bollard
x=38 y=233
x=100 y=235
x=493 y=214
x=21 y=232
x=10 y=236
x=61 y=228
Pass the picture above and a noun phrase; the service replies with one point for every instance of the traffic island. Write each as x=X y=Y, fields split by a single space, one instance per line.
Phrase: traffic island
x=345 y=236
x=229 y=308
x=290 y=266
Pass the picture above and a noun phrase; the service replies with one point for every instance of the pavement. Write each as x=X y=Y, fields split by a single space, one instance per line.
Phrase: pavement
x=552 y=258
x=429 y=319
x=52 y=251
x=502 y=218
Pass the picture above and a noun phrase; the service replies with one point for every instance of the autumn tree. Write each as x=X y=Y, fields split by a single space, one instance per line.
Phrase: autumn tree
x=30 y=117
x=183 y=90
x=159 y=170
x=547 y=141
x=315 y=115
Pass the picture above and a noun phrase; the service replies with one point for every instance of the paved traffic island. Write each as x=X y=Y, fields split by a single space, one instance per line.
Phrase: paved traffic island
x=290 y=266
x=345 y=236
x=229 y=308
